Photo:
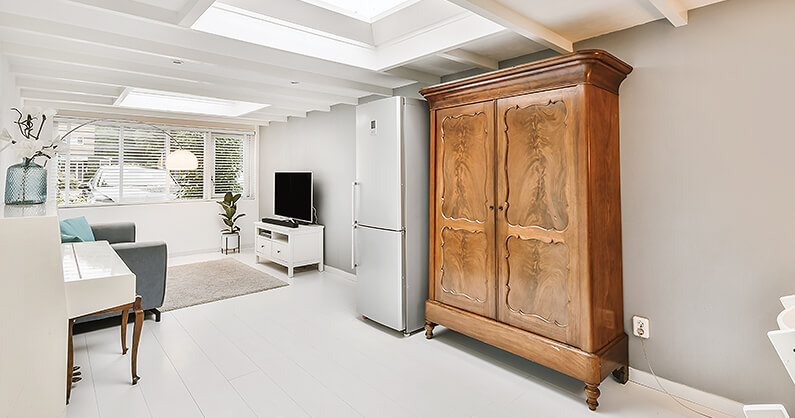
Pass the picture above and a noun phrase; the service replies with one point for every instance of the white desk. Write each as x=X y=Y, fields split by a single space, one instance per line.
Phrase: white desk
x=98 y=281
x=95 y=278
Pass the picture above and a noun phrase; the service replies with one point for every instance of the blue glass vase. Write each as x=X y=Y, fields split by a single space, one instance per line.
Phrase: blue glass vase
x=26 y=184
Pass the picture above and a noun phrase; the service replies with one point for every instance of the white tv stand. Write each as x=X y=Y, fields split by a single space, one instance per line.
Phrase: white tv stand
x=289 y=247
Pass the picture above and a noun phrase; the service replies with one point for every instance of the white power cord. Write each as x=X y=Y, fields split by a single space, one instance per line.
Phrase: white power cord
x=646 y=356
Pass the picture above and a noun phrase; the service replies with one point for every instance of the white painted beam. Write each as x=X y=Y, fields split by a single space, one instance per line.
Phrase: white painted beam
x=410 y=74
x=673 y=10
x=470 y=58
x=208 y=49
x=160 y=120
x=449 y=34
x=120 y=113
x=192 y=11
x=65 y=97
x=36 y=83
x=306 y=15
x=56 y=57
x=517 y=22
x=122 y=79
x=133 y=8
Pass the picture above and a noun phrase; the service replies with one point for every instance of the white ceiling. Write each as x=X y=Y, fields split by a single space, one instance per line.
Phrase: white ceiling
x=78 y=56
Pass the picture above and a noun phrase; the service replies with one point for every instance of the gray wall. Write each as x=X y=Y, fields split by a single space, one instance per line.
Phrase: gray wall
x=708 y=190
x=708 y=193
x=323 y=142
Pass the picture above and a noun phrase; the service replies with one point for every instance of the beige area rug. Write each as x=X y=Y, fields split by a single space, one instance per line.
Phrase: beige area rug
x=194 y=284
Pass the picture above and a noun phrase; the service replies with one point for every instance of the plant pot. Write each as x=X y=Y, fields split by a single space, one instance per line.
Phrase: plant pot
x=230 y=242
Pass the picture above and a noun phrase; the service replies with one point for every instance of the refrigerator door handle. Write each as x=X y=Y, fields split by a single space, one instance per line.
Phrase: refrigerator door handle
x=354 y=185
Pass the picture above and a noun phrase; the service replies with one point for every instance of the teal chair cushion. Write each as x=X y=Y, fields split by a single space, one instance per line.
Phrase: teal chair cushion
x=76 y=230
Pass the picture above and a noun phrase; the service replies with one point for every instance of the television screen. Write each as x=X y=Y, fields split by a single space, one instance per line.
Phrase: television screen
x=292 y=195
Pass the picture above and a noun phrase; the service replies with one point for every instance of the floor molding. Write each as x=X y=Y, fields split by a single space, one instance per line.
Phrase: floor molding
x=687 y=393
x=339 y=272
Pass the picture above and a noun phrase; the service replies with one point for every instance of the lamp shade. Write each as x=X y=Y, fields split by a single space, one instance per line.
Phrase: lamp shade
x=181 y=160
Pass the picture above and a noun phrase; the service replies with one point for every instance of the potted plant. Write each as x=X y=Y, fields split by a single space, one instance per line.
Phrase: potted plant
x=230 y=238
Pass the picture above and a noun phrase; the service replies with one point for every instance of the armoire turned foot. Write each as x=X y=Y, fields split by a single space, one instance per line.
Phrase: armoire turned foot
x=526 y=213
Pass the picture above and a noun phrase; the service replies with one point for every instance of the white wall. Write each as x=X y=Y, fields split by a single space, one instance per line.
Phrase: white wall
x=708 y=193
x=324 y=143
x=9 y=97
x=186 y=227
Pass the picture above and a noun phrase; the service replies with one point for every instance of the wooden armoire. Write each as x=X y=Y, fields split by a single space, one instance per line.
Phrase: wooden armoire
x=525 y=213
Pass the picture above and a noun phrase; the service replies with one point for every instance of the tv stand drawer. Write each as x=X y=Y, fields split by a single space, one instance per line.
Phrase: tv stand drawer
x=280 y=251
x=263 y=246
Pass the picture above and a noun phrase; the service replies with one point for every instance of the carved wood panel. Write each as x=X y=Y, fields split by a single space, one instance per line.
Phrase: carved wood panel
x=535 y=166
x=464 y=264
x=464 y=273
x=538 y=276
x=465 y=171
x=538 y=232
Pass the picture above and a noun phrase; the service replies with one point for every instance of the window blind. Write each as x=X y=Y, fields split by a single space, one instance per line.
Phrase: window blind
x=190 y=183
x=124 y=162
x=229 y=164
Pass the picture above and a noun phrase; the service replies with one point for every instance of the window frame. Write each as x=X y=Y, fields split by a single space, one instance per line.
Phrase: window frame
x=250 y=160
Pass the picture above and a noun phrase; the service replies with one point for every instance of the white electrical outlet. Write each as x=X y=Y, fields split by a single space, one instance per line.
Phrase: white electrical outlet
x=640 y=326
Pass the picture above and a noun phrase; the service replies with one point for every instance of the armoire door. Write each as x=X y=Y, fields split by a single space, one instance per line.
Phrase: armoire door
x=538 y=216
x=463 y=235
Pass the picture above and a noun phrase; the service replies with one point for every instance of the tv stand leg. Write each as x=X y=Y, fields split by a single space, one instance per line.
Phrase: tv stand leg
x=290 y=271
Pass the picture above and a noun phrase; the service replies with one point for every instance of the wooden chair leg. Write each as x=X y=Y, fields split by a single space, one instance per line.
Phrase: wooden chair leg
x=70 y=361
x=139 y=321
x=125 y=314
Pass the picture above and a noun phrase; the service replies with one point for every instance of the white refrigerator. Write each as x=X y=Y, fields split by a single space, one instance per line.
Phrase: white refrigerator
x=390 y=212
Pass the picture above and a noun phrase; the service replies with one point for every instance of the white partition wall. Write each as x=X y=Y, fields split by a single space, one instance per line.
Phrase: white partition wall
x=33 y=322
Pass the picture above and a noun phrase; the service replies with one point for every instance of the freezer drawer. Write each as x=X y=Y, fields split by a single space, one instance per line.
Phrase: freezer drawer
x=379 y=276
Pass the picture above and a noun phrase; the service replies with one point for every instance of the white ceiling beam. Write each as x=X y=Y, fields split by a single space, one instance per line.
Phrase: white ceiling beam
x=412 y=74
x=267 y=113
x=192 y=11
x=34 y=83
x=118 y=112
x=272 y=111
x=470 y=58
x=45 y=46
x=65 y=97
x=517 y=22
x=446 y=35
x=306 y=15
x=133 y=8
x=172 y=71
x=161 y=120
x=673 y=10
x=200 y=47
x=70 y=73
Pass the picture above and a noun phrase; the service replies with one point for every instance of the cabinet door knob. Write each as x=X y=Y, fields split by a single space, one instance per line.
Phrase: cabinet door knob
x=500 y=208
x=491 y=207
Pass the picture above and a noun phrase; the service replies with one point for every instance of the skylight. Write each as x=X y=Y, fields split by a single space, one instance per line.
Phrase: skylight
x=366 y=10
x=174 y=102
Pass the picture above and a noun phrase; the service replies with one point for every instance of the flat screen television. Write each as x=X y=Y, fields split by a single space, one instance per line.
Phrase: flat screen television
x=292 y=195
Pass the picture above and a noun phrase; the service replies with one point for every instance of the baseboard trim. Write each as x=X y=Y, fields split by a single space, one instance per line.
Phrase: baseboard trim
x=687 y=393
x=205 y=251
x=344 y=274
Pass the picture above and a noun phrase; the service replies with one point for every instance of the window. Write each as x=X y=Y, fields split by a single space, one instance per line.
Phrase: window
x=124 y=162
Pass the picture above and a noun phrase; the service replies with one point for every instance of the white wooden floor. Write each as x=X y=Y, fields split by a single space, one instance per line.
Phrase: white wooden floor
x=302 y=350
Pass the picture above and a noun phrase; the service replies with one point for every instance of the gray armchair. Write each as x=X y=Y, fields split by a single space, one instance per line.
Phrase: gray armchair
x=147 y=260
